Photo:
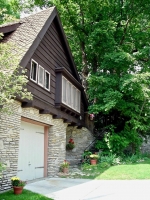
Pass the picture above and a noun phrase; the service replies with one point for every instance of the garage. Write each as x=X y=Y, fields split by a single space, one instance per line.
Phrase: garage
x=31 y=151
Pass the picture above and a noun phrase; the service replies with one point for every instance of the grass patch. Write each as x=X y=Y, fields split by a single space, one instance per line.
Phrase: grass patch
x=127 y=171
x=26 y=195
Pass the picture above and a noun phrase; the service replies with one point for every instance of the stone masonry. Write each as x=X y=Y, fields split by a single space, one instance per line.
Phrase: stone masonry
x=82 y=139
x=58 y=135
x=145 y=148
x=9 y=141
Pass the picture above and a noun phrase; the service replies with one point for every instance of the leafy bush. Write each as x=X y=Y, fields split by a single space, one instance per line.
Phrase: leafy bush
x=100 y=145
x=135 y=158
x=125 y=142
x=110 y=159
x=104 y=165
x=86 y=156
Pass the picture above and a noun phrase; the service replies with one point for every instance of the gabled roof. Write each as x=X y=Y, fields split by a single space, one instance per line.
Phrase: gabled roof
x=27 y=34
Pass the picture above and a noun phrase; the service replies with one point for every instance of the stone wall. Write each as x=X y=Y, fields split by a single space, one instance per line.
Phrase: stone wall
x=9 y=144
x=82 y=139
x=9 y=141
x=145 y=148
x=56 y=146
x=57 y=138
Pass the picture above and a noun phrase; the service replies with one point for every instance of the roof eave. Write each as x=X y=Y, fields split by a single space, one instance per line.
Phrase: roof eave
x=9 y=28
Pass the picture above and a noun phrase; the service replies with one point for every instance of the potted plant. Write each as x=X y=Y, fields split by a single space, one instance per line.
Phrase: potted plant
x=70 y=144
x=17 y=184
x=94 y=158
x=65 y=166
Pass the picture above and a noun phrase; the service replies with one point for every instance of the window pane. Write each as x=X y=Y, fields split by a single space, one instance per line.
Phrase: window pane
x=78 y=100
x=47 y=80
x=33 y=74
x=77 y=97
x=41 y=76
x=64 y=90
x=74 y=97
x=69 y=94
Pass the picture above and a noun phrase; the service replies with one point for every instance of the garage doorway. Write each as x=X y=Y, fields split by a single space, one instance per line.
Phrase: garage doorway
x=32 y=160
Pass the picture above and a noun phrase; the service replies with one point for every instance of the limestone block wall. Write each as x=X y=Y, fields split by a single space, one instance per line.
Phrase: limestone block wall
x=9 y=141
x=56 y=146
x=145 y=148
x=82 y=139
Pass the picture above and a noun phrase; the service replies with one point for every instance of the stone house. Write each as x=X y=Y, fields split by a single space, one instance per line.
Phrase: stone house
x=33 y=138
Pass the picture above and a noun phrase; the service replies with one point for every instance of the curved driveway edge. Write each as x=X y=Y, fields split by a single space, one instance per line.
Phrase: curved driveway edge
x=85 y=189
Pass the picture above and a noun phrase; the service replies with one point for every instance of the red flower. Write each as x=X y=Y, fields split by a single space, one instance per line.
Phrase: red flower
x=71 y=141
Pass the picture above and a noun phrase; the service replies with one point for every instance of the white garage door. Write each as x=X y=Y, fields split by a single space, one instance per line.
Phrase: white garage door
x=31 y=151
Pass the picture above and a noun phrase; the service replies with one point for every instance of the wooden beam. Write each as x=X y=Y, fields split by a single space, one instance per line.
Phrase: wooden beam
x=43 y=111
x=27 y=104
x=57 y=117
x=67 y=121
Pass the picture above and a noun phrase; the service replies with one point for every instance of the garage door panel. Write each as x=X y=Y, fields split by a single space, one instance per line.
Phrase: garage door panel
x=31 y=151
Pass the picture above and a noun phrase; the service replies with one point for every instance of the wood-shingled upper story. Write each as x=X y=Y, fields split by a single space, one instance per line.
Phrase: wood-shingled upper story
x=53 y=78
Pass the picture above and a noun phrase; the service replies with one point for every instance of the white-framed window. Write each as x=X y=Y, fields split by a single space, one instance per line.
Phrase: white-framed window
x=71 y=96
x=39 y=75
x=34 y=70
x=47 y=80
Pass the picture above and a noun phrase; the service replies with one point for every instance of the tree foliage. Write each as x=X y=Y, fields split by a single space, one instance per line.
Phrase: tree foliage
x=109 y=40
x=12 y=77
x=10 y=10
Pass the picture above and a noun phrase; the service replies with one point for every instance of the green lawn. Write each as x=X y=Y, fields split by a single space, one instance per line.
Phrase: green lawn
x=126 y=172
x=26 y=195
x=118 y=172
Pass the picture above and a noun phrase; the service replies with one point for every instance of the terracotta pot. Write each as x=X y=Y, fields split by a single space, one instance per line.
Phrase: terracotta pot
x=93 y=162
x=17 y=189
x=65 y=170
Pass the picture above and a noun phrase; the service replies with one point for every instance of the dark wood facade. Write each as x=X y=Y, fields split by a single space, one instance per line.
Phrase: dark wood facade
x=53 y=54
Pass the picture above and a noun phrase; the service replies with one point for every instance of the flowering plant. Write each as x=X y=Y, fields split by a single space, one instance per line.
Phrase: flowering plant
x=94 y=156
x=91 y=116
x=70 y=144
x=65 y=164
x=15 y=181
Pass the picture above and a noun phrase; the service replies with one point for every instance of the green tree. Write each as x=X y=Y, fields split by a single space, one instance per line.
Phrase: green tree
x=11 y=10
x=109 y=40
x=12 y=77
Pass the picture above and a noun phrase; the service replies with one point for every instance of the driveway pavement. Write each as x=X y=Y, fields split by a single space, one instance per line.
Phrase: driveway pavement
x=85 y=189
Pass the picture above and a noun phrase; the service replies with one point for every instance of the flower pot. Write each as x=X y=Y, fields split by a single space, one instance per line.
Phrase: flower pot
x=17 y=189
x=93 y=162
x=65 y=170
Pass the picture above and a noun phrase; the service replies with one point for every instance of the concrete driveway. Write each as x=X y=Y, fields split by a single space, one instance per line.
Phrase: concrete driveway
x=85 y=189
